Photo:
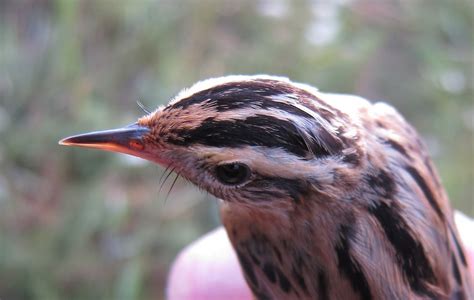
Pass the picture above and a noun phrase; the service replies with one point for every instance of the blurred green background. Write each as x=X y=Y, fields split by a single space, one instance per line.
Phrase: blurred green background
x=81 y=224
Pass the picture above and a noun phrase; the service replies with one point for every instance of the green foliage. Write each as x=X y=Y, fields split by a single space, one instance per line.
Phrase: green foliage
x=77 y=224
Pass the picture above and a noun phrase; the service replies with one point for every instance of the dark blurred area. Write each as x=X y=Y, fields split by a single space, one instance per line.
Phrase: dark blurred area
x=81 y=224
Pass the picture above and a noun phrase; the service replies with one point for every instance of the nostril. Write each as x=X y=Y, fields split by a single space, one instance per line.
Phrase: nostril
x=136 y=145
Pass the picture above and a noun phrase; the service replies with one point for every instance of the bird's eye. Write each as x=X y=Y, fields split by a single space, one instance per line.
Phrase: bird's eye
x=233 y=173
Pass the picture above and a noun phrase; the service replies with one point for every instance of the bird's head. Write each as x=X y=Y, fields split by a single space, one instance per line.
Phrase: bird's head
x=255 y=140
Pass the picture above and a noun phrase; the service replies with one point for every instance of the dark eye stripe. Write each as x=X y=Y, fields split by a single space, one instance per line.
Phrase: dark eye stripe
x=258 y=130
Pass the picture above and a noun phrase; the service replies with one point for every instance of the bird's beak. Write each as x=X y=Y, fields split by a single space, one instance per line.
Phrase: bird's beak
x=129 y=140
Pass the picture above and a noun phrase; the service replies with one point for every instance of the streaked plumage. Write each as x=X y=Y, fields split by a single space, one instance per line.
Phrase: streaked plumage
x=324 y=196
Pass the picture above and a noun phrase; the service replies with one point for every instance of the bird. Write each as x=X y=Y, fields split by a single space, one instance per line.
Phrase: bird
x=323 y=196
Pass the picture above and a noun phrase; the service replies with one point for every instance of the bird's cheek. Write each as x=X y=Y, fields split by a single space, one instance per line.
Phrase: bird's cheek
x=162 y=161
x=149 y=153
